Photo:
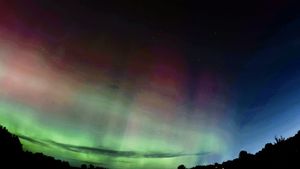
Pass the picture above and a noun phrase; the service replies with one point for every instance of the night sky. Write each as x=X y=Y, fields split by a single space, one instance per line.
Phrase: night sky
x=139 y=84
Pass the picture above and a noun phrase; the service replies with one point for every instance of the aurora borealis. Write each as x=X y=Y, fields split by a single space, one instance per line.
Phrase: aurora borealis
x=96 y=86
x=45 y=103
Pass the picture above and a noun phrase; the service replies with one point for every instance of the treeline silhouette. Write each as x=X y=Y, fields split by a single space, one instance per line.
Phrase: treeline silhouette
x=282 y=154
x=13 y=156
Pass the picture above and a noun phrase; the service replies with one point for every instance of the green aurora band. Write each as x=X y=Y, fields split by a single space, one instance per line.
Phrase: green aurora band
x=83 y=114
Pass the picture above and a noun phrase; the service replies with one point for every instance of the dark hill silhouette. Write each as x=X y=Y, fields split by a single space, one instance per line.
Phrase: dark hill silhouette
x=13 y=156
x=282 y=154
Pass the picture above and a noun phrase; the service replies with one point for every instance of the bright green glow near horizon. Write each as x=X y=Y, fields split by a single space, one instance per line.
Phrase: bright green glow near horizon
x=31 y=127
x=112 y=122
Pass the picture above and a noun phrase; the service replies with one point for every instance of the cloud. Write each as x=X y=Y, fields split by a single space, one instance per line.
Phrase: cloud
x=109 y=152
x=131 y=154
x=32 y=140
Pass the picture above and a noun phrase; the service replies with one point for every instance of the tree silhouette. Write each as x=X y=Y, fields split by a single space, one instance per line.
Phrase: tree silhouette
x=284 y=153
x=279 y=140
x=181 y=167
x=243 y=154
x=13 y=156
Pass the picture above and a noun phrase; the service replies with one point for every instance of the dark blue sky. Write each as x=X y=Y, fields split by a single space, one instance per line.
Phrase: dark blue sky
x=268 y=88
